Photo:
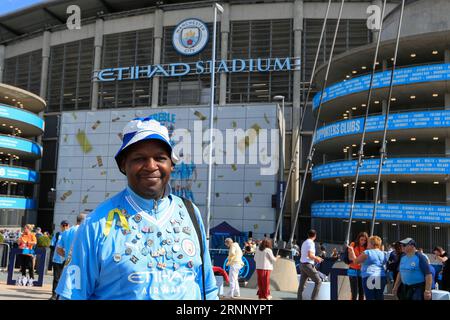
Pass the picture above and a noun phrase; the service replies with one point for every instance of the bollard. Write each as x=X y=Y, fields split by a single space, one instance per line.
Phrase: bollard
x=338 y=269
x=4 y=246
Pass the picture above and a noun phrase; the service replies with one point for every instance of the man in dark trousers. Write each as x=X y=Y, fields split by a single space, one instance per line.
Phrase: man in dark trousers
x=307 y=269
x=58 y=260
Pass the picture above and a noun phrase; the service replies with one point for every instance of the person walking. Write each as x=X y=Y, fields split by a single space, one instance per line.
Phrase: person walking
x=26 y=242
x=264 y=260
x=354 y=269
x=307 y=269
x=58 y=260
x=64 y=244
x=235 y=263
x=144 y=243
x=372 y=261
x=414 y=274
x=442 y=256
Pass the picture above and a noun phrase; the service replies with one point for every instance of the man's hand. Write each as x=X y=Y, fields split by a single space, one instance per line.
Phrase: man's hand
x=427 y=294
x=394 y=291
x=318 y=259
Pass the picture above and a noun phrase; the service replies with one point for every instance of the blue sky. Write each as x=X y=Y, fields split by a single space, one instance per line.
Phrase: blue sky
x=7 y=6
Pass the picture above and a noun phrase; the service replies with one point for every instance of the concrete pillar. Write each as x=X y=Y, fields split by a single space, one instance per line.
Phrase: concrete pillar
x=2 y=61
x=44 y=68
x=296 y=112
x=157 y=37
x=375 y=33
x=43 y=93
x=224 y=32
x=98 y=45
x=447 y=139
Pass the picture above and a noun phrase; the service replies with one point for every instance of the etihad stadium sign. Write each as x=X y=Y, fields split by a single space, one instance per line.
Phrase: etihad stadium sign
x=180 y=69
x=190 y=38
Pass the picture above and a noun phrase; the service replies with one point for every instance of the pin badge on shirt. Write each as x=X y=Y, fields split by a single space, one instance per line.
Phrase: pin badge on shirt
x=144 y=251
x=155 y=254
x=128 y=251
x=117 y=257
x=188 y=247
x=190 y=264
x=137 y=217
x=176 y=248
x=159 y=234
x=176 y=229
x=187 y=230
x=176 y=266
x=139 y=236
x=134 y=259
x=149 y=242
x=161 y=265
x=168 y=230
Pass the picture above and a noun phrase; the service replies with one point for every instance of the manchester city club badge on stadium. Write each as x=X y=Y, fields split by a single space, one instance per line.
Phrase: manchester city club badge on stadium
x=190 y=37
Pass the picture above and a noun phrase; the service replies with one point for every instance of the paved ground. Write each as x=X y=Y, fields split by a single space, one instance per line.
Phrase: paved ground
x=24 y=293
x=43 y=293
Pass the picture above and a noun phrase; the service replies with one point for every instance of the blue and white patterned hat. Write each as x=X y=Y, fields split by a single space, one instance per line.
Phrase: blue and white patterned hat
x=140 y=129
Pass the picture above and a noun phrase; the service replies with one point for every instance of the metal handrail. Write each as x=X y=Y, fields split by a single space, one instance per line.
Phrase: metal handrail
x=7 y=256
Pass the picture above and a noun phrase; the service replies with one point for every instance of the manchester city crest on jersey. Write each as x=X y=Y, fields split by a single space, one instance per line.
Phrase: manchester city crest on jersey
x=190 y=37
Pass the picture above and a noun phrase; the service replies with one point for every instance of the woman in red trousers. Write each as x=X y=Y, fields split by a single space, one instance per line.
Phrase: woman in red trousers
x=264 y=259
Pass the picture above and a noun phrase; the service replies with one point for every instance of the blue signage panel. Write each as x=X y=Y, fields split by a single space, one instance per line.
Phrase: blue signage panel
x=15 y=173
x=20 y=144
x=435 y=72
x=17 y=203
x=21 y=115
x=397 y=121
x=393 y=166
x=385 y=211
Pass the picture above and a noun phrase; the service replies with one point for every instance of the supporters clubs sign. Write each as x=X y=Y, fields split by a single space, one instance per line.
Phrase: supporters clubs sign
x=190 y=38
x=399 y=121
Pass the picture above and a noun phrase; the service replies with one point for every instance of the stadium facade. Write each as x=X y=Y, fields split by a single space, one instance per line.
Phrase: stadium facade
x=123 y=63
x=415 y=190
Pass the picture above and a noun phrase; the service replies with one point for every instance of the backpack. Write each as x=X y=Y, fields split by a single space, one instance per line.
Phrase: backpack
x=191 y=211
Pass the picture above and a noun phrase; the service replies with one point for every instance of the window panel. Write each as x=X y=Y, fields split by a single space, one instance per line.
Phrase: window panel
x=70 y=73
x=260 y=39
x=124 y=50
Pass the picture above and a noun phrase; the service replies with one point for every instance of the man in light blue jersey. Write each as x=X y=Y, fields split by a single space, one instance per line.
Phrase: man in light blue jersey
x=144 y=243
x=414 y=274
x=58 y=260
x=65 y=243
